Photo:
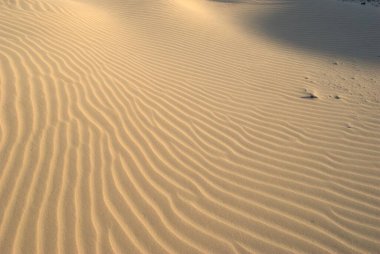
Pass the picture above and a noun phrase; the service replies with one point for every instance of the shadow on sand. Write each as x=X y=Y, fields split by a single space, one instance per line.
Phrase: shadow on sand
x=329 y=27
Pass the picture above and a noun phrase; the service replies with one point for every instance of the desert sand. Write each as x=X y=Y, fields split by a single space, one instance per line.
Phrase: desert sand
x=189 y=126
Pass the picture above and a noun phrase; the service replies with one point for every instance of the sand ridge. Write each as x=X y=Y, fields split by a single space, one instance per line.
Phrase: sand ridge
x=184 y=126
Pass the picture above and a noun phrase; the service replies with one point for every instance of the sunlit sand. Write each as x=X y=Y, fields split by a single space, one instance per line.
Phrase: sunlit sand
x=189 y=126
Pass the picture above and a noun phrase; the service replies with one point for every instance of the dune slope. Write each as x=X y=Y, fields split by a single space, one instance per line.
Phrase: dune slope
x=188 y=126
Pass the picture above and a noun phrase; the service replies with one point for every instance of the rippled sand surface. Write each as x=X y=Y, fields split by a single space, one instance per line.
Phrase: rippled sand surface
x=189 y=126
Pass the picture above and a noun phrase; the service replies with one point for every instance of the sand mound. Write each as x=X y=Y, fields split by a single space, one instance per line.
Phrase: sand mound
x=152 y=126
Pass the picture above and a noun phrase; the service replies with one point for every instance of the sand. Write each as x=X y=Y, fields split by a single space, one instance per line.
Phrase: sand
x=189 y=126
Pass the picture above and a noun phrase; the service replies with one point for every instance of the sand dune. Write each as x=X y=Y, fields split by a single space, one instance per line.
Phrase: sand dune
x=187 y=126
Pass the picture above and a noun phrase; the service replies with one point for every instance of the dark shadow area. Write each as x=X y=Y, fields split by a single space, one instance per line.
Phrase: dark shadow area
x=328 y=27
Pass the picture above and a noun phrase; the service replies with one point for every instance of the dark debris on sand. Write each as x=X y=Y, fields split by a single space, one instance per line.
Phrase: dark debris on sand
x=364 y=2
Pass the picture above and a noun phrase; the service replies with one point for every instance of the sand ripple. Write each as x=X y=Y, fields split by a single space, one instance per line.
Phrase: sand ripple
x=165 y=127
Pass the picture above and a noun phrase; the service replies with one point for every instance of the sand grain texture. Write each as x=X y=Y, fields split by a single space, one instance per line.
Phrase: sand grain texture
x=188 y=126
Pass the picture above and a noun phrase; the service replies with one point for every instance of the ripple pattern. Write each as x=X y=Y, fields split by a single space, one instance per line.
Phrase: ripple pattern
x=160 y=127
